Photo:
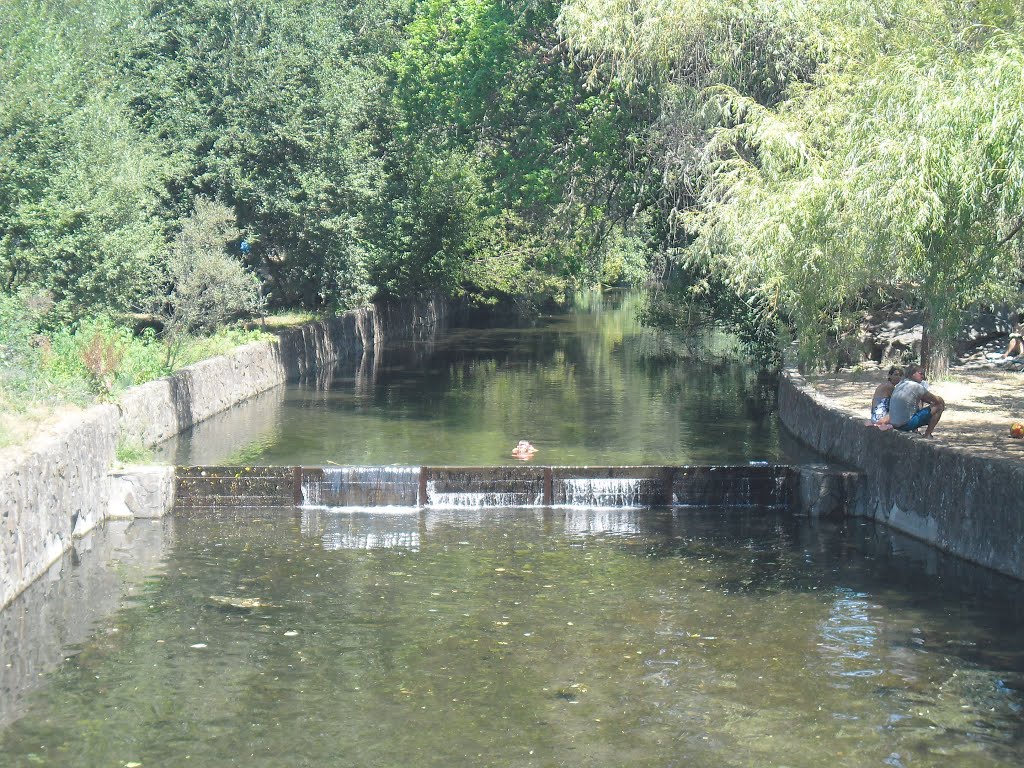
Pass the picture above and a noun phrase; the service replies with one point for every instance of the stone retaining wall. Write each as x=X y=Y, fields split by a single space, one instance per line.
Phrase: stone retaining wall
x=968 y=505
x=157 y=410
x=58 y=487
x=54 y=489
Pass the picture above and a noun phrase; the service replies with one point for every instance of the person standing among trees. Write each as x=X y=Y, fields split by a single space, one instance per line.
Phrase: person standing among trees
x=904 y=411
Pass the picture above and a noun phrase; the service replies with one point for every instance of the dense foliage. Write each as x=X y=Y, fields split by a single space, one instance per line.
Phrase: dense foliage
x=365 y=148
x=507 y=173
x=791 y=160
x=824 y=152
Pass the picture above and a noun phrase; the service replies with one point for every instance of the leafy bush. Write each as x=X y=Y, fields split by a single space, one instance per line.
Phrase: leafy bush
x=204 y=286
x=18 y=357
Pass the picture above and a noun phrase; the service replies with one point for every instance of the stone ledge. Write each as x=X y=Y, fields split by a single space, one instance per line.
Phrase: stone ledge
x=968 y=505
x=141 y=491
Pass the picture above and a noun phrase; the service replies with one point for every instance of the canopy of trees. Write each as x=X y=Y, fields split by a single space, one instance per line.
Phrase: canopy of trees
x=796 y=159
x=366 y=148
x=824 y=152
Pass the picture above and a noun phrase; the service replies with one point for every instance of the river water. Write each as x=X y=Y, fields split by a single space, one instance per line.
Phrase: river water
x=590 y=386
x=517 y=637
x=512 y=636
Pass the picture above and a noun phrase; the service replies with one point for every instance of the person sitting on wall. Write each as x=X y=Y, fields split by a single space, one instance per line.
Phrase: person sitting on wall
x=1016 y=345
x=880 y=399
x=906 y=412
x=523 y=450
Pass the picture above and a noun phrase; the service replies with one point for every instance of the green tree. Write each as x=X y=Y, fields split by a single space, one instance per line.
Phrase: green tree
x=264 y=105
x=556 y=160
x=203 y=286
x=861 y=149
x=80 y=187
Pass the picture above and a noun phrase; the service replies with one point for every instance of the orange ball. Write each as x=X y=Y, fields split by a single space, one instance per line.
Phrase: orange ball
x=1017 y=429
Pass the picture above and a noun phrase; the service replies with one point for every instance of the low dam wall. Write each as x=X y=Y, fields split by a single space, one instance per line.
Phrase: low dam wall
x=967 y=505
x=58 y=486
x=814 y=490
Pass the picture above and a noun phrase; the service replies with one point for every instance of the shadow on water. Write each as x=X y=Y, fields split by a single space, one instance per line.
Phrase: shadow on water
x=590 y=386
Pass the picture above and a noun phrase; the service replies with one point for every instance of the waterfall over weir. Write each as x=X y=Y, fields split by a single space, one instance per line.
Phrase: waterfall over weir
x=606 y=492
x=361 y=487
x=408 y=488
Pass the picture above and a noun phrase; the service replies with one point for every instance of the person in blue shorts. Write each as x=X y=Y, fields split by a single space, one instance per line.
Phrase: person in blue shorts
x=912 y=405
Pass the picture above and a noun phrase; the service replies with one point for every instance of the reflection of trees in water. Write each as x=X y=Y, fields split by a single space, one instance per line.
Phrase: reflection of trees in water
x=589 y=385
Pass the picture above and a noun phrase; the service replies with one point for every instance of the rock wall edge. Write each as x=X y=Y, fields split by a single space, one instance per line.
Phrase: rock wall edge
x=967 y=505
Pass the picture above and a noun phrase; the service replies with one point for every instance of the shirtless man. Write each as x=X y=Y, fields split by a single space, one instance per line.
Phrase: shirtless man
x=523 y=450
x=905 y=413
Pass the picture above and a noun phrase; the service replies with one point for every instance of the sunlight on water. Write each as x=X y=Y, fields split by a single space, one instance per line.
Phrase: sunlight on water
x=528 y=637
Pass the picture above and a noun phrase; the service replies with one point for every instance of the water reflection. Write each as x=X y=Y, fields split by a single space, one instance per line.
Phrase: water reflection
x=59 y=612
x=849 y=636
x=592 y=522
x=590 y=386
x=370 y=529
x=539 y=637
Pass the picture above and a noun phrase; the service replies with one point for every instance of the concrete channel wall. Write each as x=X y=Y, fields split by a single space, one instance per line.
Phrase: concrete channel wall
x=968 y=505
x=59 y=486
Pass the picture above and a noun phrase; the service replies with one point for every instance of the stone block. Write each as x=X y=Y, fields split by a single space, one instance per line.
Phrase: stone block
x=141 y=491
x=825 y=491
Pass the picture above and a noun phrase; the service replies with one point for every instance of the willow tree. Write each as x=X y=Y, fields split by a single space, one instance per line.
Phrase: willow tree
x=879 y=154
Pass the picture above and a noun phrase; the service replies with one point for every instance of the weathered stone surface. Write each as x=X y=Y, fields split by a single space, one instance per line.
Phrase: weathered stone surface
x=51 y=490
x=160 y=409
x=824 y=490
x=961 y=503
x=141 y=491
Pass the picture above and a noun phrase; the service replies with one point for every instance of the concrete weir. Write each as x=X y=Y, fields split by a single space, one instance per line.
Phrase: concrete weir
x=814 y=490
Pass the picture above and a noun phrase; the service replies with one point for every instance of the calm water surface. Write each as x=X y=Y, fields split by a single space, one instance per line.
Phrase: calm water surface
x=539 y=638
x=590 y=386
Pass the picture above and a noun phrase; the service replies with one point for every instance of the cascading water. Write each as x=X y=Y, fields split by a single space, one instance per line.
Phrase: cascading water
x=407 y=487
x=606 y=492
x=478 y=499
x=361 y=487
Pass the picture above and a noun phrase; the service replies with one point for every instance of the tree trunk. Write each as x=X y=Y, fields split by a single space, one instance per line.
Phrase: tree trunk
x=935 y=351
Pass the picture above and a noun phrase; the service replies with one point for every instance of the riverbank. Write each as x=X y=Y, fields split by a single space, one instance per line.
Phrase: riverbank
x=59 y=485
x=981 y=403
x=960 y=492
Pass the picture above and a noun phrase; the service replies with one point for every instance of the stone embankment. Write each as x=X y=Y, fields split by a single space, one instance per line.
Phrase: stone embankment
x=953 y=496
x=61 y=484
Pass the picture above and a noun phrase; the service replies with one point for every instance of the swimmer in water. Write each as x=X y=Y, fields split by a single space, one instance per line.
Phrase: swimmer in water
x=523 y=450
